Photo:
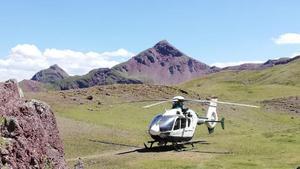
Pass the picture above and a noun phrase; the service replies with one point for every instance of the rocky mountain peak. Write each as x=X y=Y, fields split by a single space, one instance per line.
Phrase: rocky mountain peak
x=55 y=67
x=166 y=49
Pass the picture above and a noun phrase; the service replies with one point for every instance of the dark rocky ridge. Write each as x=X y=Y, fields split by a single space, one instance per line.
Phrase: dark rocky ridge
x=50 y=75
x=101 y=76
x=29 y=133
x=258 y=66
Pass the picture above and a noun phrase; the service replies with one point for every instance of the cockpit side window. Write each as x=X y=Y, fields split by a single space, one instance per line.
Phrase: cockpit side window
x=177 y=124
x=183 y=123
x=189 y=122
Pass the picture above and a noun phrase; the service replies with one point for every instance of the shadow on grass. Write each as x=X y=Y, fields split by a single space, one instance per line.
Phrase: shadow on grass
x=157 y=149
x=112 y=143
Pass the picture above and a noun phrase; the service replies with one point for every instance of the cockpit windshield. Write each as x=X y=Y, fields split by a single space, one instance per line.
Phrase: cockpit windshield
x=166 y=123
x=155 y=119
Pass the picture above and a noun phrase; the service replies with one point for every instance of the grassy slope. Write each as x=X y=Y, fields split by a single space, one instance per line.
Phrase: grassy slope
x=258 y=138
x=282 y=80
x=255 y=138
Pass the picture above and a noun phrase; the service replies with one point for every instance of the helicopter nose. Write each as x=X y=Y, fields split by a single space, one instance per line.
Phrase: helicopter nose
x=154 y=129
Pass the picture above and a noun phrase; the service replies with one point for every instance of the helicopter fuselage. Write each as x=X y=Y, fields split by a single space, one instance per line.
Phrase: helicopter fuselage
x=179 y=124
x=175 y=125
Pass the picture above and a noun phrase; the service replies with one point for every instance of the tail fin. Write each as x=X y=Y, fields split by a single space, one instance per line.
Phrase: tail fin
x=212 y=115
x=223 y=123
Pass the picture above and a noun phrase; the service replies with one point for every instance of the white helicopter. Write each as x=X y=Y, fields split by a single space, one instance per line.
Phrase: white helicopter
x=178 y=125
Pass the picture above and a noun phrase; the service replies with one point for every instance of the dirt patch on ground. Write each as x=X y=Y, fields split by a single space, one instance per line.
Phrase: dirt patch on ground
x=136 y=92
x=286 y=104
x=112 y=94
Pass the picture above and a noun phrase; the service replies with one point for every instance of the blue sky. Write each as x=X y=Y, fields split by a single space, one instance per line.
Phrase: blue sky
x=211 y=31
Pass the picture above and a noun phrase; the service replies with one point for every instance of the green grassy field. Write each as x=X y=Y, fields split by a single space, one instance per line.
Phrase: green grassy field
x=106 y=132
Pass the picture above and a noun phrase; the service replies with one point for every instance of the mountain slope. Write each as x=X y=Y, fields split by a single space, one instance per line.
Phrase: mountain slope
x=50 y=75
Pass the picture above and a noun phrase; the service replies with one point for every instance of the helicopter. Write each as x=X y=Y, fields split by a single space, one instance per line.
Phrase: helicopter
x=178 y=124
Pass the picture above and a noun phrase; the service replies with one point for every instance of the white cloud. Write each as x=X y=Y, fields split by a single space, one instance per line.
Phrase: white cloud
x=226 y=64
x=26 y=50
x=25 y=60
x=287 y=38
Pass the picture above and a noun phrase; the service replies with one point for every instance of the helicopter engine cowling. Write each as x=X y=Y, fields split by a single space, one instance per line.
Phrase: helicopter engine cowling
x=201 y=120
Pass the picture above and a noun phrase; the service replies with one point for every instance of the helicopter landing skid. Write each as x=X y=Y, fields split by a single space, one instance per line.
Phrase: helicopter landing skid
x=178 y=146
x=151 y=144
x=181 y=146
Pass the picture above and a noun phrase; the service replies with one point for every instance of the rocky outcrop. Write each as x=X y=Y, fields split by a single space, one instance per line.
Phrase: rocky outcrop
x=50 y=75
x=29 y=133
x=280 y=61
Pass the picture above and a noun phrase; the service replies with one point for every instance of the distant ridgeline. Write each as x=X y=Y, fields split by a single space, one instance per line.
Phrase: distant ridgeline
x=162 y=64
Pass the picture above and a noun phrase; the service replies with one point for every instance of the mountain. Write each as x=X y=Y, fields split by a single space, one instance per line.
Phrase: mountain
x=163 y=64
x=101 y=76
x=50 y=75
x=260 y=66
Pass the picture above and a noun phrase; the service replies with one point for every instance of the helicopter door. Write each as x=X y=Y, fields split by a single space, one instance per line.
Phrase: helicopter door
x=177 y=130
x=187 y=128
x=182 y=128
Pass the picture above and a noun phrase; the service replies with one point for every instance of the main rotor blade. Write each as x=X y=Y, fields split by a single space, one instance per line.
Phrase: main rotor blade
x=228 y=103
x=237 y=104
x=154 y=104
x=139 y=101
x=199 y=101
